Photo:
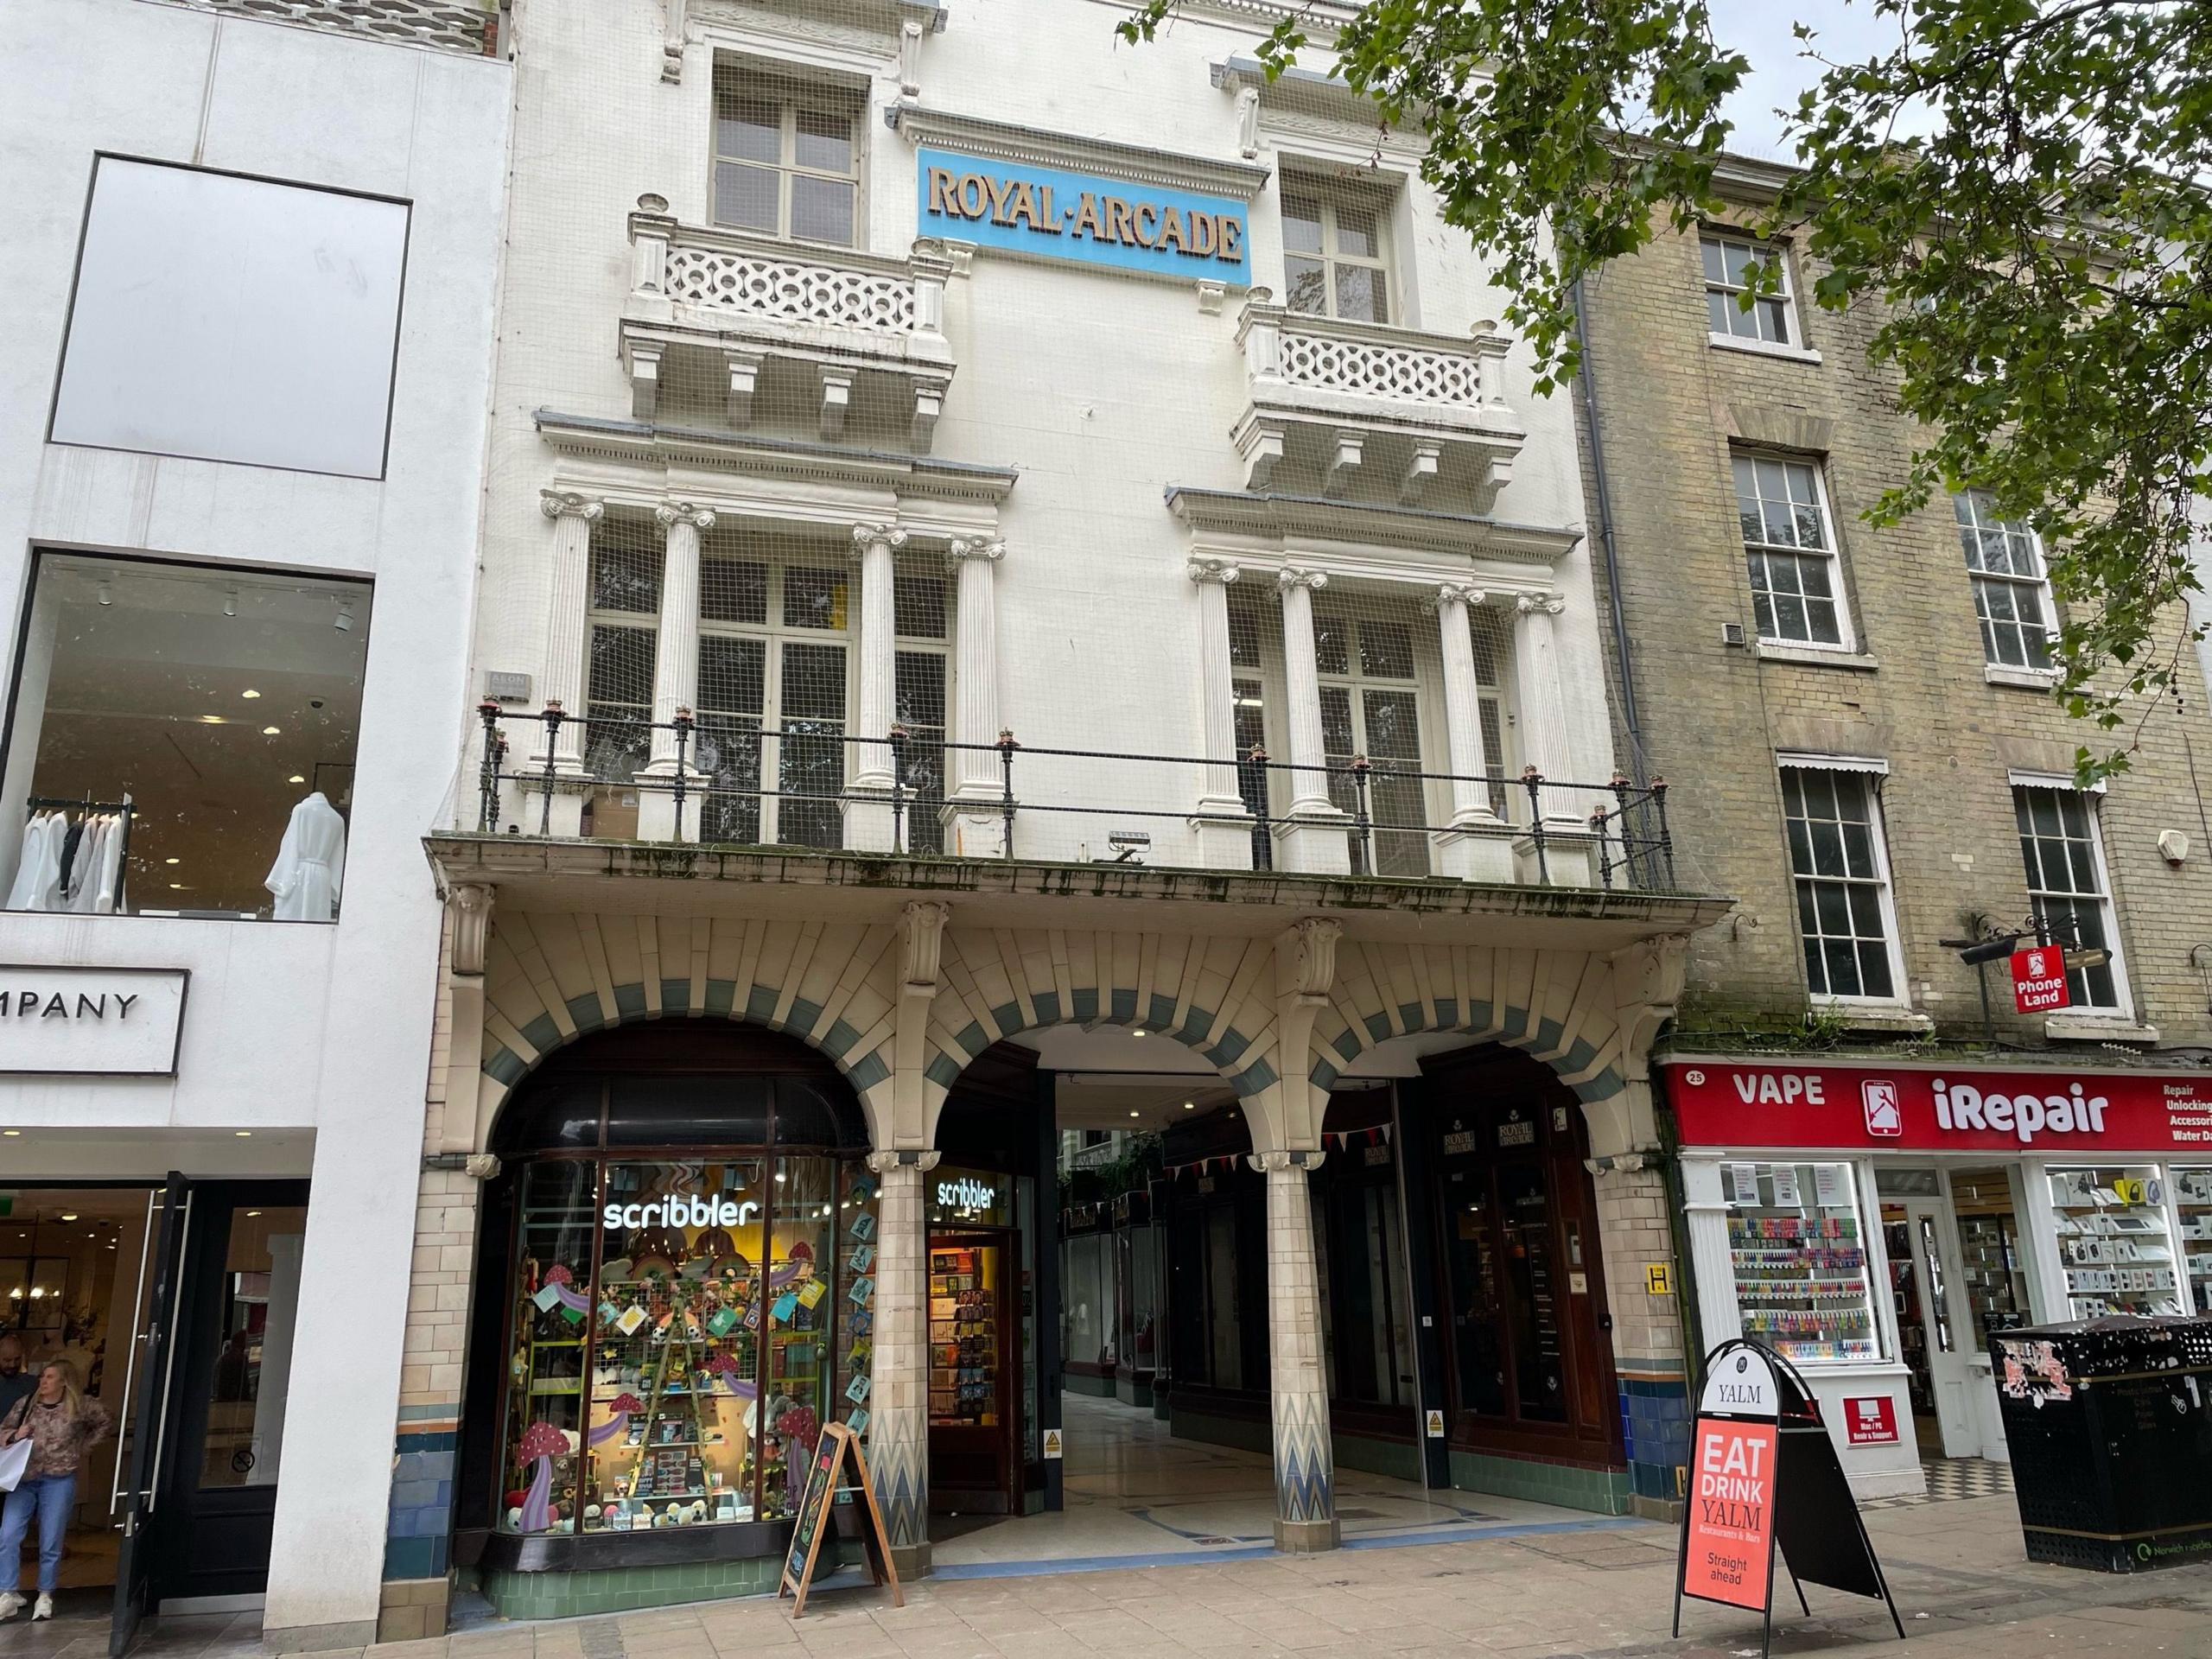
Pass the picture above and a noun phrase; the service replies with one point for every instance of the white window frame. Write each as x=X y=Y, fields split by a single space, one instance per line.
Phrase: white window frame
x=1329 y=196
x=790 y=93
x=2123 y=1004
x=1848 y=644
x=1774 y=253
x=1978 y=502
x=1873 y=770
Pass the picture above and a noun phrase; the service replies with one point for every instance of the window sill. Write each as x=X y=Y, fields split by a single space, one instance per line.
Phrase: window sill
x=1817 y=657
x=2027 y=679
x=1877 y=1016
x=1762 y=348
x=2093 y=1026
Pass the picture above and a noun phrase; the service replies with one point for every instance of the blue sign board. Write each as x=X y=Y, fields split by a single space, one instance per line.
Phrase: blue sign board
x=1086 y=217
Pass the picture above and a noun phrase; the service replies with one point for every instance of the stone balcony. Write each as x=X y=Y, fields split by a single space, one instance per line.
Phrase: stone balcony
x=1333 y=399
x=825 y=329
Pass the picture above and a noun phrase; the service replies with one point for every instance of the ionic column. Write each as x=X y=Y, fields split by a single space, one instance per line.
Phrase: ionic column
x=899 y=1398
x=974 y=663
x=874 y=546
x=1306 y=1507
x=568 y=631
x=1224 y=824
x=676 y=653
x=1312 y=832
x=1543 y=700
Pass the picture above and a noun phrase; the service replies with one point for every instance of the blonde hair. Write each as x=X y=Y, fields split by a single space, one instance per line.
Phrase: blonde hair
x=73 y=1394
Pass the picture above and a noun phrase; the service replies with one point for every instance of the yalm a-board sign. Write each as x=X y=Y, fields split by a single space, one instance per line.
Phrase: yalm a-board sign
x=2054 y=1110
x=106 y=1022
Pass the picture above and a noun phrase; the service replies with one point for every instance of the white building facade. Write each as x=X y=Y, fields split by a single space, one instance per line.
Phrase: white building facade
x=251 y=277
x=1000 y=545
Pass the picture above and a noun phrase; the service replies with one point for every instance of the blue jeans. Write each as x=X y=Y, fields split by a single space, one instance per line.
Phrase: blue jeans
x=52 y=1497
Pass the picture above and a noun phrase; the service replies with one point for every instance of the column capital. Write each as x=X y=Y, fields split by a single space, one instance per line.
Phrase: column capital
x=867 y=536
x=1220 y=571
x=990 y=548
x=1449 y=594
x=1545 y=604
x=672 y=513
x=1291 y=576
x=568 y=504
x=921 y=1162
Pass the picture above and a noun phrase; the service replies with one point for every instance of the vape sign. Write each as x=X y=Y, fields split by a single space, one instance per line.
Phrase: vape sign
x=2039 y=979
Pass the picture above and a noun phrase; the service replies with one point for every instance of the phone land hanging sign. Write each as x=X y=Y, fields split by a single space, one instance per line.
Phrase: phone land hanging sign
x=2039 y=979
x=1051 y=212
x=1726 y=1103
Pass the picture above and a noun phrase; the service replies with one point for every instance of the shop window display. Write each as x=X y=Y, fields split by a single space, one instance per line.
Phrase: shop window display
x=2193 y=1198
x=2113 y=1241
x=1800 y=1258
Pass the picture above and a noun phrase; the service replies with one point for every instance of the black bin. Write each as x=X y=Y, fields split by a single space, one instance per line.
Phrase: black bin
x=2109 y=1423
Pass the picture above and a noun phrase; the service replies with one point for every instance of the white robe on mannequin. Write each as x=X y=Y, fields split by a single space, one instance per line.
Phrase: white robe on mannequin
x=310 y=866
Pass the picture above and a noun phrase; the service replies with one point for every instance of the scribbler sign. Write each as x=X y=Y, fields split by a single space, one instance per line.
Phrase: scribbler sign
x=2039 y=979
x=1732 y=1516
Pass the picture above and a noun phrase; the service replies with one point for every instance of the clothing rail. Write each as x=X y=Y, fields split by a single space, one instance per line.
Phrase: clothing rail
x=122 y=809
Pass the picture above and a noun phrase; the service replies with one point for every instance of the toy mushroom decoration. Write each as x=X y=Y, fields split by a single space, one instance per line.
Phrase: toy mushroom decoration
x=543 y=1442
x=622 y=1405
x=800 y=1428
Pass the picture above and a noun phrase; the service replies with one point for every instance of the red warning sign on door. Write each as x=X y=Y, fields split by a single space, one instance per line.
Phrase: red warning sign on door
x=1730 y=1548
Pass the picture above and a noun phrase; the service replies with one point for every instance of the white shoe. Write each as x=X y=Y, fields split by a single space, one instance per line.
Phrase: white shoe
x=11 y=1603
x=43 y=1607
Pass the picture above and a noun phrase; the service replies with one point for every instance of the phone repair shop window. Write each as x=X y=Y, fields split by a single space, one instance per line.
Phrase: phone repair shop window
x=183 y=741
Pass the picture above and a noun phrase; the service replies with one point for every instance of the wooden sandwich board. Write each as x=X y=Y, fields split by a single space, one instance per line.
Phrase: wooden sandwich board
x=838 y=1445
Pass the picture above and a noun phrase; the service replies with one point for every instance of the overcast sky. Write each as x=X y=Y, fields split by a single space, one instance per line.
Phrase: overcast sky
x=1760 y=29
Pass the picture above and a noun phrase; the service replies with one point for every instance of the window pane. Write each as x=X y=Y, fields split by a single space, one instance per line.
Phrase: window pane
x=1716 y=269
x=813 y=597
x=625 y=577
x=1336 y=736
x=919 y=602
x=1717 y=308
x=1308 y=285
x=822 y=210
x=1386 y=649
x=1741 y=257
x=733 y=675
x=745 y=197
x=749 y=128
x=1357 y=233
x=1359 y=294
x=1773 y=322
x=824 y=141
x=258 y=1304
x=732 y=591
x=1393 y=730
x=1331 y=643
x=1301 y=224
x=814 y=682
x=547 y=1375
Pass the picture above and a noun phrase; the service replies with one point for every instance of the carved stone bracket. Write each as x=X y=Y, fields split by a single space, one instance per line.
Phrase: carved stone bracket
x=921 y=930
x=1265 y=1161
x=470 y=906
x=1305 y=957
x=883 y=1162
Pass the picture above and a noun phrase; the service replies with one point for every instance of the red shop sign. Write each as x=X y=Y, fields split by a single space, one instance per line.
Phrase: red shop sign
x=1776 y=1103
x=2039 y=979
x=1872 y=1421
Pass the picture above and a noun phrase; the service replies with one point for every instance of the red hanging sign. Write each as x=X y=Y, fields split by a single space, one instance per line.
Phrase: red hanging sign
x=2039 y=979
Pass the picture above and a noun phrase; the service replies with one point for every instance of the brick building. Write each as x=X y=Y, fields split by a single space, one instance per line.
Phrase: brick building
x=1883 y=774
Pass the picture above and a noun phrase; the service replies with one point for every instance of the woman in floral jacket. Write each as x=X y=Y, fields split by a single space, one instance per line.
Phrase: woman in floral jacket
x=60 y=1423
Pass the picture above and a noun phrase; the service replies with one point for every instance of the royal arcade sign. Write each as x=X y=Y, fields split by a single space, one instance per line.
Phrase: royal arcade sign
x=1052 y=213
x=103 y=1022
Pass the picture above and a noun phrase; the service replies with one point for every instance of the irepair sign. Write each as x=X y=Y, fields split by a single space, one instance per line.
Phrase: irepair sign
x=1736 y=1104
x=1085 y=217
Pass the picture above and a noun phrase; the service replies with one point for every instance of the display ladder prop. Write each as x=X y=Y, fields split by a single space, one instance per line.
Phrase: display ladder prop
x=648 y=1447
x=1778 y=1487
x=812 y=1525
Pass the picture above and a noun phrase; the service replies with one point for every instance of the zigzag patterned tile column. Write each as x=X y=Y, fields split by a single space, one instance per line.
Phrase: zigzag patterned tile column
x=899 y=1425
x=1306 y=1504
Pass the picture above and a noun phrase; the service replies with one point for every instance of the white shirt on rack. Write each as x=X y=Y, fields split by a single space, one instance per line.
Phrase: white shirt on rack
x=38 y=877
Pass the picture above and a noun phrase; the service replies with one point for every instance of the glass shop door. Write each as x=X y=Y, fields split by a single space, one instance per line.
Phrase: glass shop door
x=974 y=1466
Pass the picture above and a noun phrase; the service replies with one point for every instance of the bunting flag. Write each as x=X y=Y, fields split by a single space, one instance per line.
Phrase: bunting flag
x=1378 y=1135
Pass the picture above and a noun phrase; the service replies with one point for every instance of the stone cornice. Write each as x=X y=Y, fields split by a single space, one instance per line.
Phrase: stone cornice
x=1300 y=519
x=977 y=136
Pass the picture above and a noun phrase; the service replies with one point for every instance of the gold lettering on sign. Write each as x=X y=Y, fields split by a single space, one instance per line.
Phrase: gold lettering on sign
x=1086 y=217
x=1001 y=192
x=1171 y=232
x=1047 y=220
x=1022 y=210
x=1118 y=225
x=1145 y=236
x=941 y=192
x=974 y=195
x=1205 y=234
x=1232 y=236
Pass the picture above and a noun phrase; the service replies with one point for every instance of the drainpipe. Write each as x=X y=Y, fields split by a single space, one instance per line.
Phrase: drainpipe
x=1629 y=720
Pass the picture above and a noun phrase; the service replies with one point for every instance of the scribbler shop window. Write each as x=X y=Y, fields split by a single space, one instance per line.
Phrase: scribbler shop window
x=183 y=741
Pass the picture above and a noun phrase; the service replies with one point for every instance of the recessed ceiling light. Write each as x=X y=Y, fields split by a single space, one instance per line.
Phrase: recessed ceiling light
x=210 y=720
x=243 y=1134
x=1139 y=1033
x=1136 y=1114
x=172 y=861
x=249 y=692
x=71 y=1216
x=1189 y=1105
x=295 y=779
x=251 y=1214
x=10 y=1134
x=272 y=731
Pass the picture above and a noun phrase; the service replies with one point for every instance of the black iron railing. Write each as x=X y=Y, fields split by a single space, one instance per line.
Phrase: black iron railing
x=731 y=769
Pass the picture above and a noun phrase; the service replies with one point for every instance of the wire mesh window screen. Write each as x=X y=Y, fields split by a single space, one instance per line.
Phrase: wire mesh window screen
x=2066 y=882
x=1842 y=875
x=1366 y=646
x=626 y=570
x=774 y=611
x=786 y=156
x=1493 y=643
x=922 y=603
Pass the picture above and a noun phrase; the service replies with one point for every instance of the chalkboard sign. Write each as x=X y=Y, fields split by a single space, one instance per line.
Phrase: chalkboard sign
x=838 y=1445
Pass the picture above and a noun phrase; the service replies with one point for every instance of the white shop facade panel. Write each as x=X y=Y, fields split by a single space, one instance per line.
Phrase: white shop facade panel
x=1874 y=1223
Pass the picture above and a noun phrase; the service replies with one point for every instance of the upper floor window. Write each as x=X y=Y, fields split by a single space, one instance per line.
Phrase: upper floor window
x=1790 y=549
x=184 y=740
x=1334 y=263
x=1729 y=270
x=2067 y=885
x=787 y=158
x=2011 y=593
x=1841 y=870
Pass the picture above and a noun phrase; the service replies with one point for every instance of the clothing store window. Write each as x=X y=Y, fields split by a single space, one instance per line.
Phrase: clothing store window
x=184 y=740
